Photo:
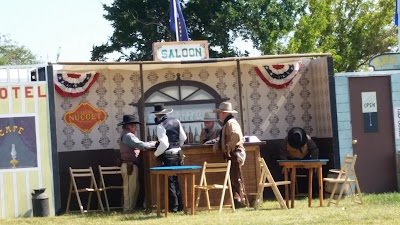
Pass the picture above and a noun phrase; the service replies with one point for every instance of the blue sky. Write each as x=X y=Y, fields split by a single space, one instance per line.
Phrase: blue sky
x=74 y=26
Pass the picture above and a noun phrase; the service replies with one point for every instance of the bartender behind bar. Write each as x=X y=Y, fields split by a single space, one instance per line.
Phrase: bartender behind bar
x=211 y=127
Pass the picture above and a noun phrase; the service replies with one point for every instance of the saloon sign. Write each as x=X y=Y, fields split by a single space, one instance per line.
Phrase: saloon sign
x=85 y=117
x=180 y=51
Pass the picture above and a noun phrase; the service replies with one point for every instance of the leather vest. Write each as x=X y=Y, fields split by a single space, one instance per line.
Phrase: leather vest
x=127 y=153
x=295 y=153
x=172 y=128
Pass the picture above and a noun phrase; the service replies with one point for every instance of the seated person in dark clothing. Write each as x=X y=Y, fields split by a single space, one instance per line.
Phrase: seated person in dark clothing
x=298 y=145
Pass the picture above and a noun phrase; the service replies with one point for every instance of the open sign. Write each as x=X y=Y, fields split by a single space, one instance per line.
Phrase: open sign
x=368 y=100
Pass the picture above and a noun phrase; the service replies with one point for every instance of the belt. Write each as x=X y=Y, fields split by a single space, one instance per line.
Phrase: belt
x=171 y=153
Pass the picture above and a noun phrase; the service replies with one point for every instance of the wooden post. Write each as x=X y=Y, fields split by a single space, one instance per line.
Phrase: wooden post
x=240 y=94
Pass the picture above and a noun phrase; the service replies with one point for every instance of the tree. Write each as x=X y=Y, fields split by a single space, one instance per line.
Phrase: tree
x=352 y=30
x=13 y=54
x=267 y=22
x=139 y=23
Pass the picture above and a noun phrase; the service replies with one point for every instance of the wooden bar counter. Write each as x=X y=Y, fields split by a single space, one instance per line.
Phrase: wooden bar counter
x=196 y=155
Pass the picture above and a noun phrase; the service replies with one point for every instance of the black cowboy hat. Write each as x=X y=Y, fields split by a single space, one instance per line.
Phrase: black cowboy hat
x=127 y=119
x=159 y=109
x=297 y=137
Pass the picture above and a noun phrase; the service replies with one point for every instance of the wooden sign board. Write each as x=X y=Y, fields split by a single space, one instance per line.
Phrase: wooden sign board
x=385 y=61
x=85 y=117
x=180 y=51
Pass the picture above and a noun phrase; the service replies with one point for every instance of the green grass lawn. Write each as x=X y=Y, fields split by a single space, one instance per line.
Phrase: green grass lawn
x=378 y=209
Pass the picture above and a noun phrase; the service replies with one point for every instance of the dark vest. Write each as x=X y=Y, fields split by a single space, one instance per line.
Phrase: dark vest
x=172 y=127
x=127 y=153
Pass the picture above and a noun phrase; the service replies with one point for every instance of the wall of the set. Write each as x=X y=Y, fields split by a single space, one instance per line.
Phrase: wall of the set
x=344 y=114
x=17 y=184
x=343 y=108
x=268 y=112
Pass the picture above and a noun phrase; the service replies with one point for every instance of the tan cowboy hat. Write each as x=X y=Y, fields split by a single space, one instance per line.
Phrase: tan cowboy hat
x=225 y=107
x=159 y=109
x=209 y=116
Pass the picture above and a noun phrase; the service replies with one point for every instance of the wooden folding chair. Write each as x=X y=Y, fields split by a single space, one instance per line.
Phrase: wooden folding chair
x=222 y=168
x=110 y=171
x=350 y=177
x=73 y=188
x=267 y=176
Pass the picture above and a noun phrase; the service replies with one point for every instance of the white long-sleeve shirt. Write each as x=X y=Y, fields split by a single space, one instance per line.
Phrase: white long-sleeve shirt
x=163 y=139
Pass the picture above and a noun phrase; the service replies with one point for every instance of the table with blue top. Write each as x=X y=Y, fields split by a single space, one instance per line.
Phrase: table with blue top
x=167 y=171
x=309 y=164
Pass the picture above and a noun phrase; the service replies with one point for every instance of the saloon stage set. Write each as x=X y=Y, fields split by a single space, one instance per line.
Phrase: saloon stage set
x=87 y=100
x=271 y=94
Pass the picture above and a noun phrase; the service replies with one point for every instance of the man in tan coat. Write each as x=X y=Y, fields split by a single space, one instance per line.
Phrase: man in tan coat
x=231 y=144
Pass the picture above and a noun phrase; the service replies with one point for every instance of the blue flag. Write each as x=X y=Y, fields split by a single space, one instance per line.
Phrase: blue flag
x=181 y=25
x=396 y=14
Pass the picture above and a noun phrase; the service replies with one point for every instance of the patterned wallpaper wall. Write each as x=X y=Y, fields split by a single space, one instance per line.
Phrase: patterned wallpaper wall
x=268 y=112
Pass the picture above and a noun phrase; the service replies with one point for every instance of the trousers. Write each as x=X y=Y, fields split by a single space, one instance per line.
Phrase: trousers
x=130 y=187
x=174 y=192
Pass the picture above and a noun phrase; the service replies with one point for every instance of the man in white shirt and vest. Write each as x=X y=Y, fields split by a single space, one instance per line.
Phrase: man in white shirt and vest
x=171 y=137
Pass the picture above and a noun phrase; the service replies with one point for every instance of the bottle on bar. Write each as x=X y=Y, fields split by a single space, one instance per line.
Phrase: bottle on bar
x=187 y=135
x=154 y=138
x=196 y=136
x=190 y=135
x=148 y=135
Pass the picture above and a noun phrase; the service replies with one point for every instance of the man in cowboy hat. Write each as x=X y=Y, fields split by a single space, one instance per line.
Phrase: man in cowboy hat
x=129 y=146
x=298 y=145
x=231 y=144
x=211 y=127
x=171 y=137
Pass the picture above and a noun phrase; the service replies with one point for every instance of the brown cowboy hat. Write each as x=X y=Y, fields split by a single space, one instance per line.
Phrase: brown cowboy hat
x=127 y=119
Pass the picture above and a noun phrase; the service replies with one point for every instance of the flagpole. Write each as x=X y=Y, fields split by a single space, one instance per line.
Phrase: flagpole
x=176 y=21
x=398 y=24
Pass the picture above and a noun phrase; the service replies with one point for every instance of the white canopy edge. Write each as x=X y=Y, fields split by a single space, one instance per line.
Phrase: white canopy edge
x=155 y=65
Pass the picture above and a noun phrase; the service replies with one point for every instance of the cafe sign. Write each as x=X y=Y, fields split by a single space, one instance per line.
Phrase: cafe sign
x=180 y=51
x=85 y=117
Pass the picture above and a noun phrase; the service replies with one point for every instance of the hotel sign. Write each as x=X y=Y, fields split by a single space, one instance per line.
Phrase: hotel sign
x=180 y=51
x=85 y=117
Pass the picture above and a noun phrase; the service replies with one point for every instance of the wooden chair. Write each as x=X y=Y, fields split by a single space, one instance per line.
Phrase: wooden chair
x=222 y=168
x=110 y=171
x=267 y=176
x=347 y=180
x=73 y=188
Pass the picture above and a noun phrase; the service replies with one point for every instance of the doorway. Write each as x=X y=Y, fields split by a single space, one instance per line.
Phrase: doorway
x=373 y=133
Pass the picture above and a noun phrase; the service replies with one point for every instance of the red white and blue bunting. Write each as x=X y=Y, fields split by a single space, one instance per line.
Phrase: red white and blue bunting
x=74 y=84
x=278 y=75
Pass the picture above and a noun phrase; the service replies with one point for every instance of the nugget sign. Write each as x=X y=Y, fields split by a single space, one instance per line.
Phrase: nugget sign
x=85 y=117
